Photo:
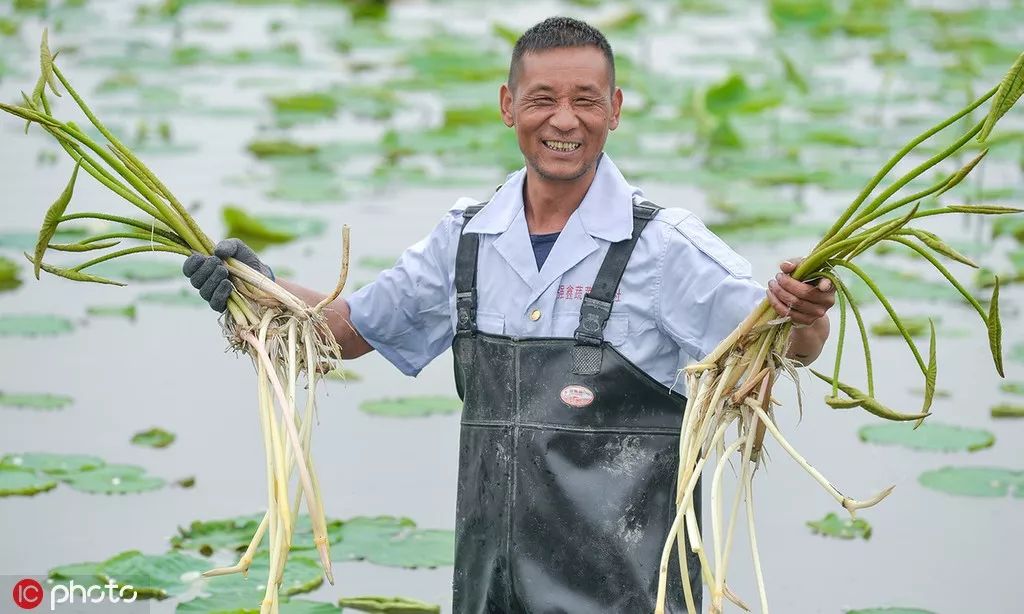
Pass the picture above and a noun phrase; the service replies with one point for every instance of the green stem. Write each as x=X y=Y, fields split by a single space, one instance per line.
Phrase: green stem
x=195 y=237
x=127 y=221
x=922 y=167
x=133 y=250
x=903 y=201
x=945 y=273
x=163 y=213
x=888 y=308
x=841 y=287
x=894 y=160
x=135 y=235
x=839 y=346
x=94 y=168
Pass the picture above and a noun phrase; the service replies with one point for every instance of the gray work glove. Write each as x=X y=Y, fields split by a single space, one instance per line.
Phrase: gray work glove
x=210 y=275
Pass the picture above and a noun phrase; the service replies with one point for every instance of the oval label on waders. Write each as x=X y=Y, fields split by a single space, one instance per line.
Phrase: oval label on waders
x=575 y=395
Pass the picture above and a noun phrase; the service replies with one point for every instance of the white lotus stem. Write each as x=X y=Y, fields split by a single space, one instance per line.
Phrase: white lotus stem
x=723 y=460
x=748 y=446
x=851 y=505
x=319 y=524
x=342 y=277
x=263 y=283
x=666 y=552
x=758 y=575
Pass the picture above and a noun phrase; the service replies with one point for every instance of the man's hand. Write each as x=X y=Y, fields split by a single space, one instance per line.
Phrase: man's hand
x=806 y=305
x=209 y=275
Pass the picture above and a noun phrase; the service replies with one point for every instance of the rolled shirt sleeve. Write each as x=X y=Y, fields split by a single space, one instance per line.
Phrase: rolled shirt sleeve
x=405 y=313
x=706 y=288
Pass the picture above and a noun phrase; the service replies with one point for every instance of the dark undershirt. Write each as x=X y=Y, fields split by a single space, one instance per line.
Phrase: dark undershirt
x=542 y=245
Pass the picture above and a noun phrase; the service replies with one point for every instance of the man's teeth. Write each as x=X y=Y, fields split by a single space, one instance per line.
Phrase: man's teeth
x=561 y=145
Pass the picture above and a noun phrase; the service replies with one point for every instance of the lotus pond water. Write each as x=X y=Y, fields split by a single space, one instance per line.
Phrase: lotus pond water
x=285 y=119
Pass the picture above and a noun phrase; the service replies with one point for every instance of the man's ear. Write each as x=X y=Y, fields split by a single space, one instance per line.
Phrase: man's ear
x=505 y=100
x=616 y=109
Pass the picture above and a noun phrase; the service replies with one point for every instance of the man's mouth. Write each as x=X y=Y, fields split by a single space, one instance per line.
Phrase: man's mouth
x=561 y=145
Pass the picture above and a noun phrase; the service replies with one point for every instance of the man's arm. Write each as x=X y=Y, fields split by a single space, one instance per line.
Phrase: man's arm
x=338 y=319
x=805 y=344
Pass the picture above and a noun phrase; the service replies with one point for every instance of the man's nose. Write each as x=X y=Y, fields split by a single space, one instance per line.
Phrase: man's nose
x=564 y=118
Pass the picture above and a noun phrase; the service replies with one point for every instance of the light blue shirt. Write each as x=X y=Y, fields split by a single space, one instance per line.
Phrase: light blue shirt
x=683 y=291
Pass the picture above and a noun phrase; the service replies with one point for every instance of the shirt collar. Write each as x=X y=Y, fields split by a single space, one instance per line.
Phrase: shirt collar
x=605 y=213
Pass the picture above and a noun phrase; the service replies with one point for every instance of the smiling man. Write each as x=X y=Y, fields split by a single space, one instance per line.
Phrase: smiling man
x=570 y=303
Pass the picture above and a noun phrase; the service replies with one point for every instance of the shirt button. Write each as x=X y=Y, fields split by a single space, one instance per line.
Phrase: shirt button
x=535 y=315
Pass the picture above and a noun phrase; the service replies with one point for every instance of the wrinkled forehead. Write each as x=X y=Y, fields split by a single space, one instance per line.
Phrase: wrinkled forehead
x=570 y=70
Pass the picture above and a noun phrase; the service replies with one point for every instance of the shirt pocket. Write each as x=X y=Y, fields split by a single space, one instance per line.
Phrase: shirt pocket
x=616 y=330
x=493 y=323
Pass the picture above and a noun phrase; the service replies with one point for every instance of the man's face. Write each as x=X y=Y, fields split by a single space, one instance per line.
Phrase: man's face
x=562 y=109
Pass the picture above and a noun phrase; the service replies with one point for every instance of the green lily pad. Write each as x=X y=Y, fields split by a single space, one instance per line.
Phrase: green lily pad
x=1012 y=387
x=312 y=185
x=234 y=603
x=184 y=297
x=975 y=481
x=377 y=263
x=747 y=231
x=1005 y=410
x=8 y=274
x=208 y=536
x=345 y=375
x=890 y=611
x=930 y=436
x=234 y=534
x=1004 y=225
x=53 y=464
x=23 y=482
x=259 y=231
x=32 y=325
x=153 y=575
x=388 y=605
x=393 y=542
x=301 y=575
x=939 y=393
x=898 y=285
x=308 y=103
x=87 y=573
x=817 y=16
x=842 y=528
x=138 y=269
x=916 y=326
x=408 y=407
x=753 y=206
x=280 y=149
x=8 y=27
x=35 y=401
x=447 y=59
x=153 y=438
x=26 y=240
x=118 y=311
x=113 y=479
x=734 y=96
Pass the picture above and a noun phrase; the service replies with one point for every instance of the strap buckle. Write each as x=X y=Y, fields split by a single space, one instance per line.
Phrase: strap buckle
x=465 y=306
x=594 y=315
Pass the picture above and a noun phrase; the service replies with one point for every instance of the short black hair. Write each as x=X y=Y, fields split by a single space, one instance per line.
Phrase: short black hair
x=557 y=33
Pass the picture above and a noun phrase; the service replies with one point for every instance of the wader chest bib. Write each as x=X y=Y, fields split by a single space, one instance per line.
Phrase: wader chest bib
x=567 y=462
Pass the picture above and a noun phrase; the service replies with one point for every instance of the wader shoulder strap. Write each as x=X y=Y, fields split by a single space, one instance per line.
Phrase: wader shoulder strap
x=597 y=304
x=465 y=273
